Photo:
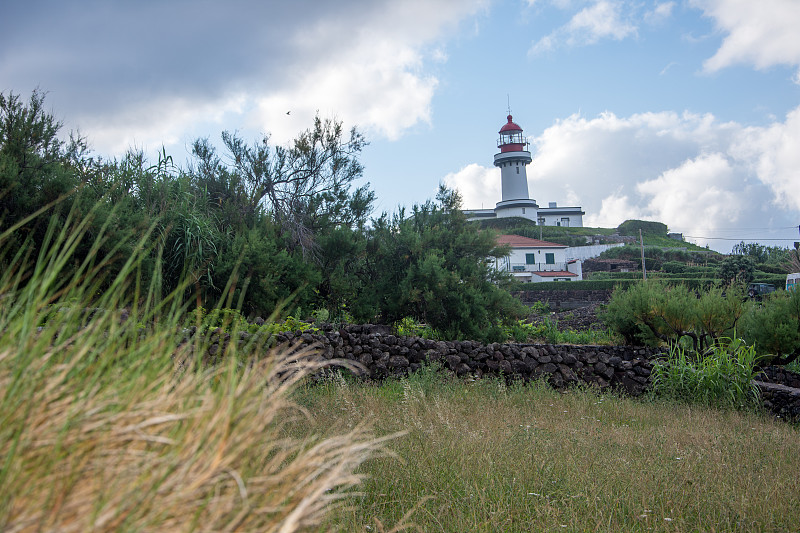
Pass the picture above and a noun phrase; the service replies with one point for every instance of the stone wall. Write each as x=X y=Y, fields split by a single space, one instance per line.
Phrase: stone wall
x=622 y=367
x=383 y=354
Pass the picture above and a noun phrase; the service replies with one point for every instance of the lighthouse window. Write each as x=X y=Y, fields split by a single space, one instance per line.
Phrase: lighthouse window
x=517 y=170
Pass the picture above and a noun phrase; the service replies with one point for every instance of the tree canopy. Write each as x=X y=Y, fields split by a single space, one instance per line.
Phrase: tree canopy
x=258 y=226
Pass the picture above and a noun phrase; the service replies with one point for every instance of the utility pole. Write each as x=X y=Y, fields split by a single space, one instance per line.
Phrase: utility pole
x=641 y=241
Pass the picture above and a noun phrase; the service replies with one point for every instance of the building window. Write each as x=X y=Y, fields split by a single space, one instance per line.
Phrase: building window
x=530 y=259
x=550 y=259
x=541 y=221
x=518 y=170
x=565 y=222
x=523 y=210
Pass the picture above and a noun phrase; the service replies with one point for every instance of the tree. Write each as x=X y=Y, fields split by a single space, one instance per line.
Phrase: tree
x=33 y=170
x=434 y=266
x=761 y=254
x=773 y=327
x=305 y=188
x=737 y=269
x=651 y=312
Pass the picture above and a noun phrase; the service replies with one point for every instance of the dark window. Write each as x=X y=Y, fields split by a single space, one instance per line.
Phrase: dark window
x=530 y=259
x=550 y=259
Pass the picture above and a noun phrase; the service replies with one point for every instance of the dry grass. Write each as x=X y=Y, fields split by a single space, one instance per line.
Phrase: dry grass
x=101 y=429
x=485 y=457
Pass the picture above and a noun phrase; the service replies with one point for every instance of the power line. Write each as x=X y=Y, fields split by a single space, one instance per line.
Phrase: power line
x=748 y=229
x=738 y=238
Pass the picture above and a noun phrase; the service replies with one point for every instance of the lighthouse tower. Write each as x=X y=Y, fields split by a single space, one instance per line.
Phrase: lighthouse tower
x=512 y=160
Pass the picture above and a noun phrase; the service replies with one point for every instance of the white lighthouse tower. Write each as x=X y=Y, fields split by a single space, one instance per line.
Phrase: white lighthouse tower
x=512 y=160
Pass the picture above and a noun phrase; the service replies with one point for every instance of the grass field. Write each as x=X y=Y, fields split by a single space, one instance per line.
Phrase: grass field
x=482 y=456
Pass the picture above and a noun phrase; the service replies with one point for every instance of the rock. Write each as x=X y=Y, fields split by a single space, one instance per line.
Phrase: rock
x=548 y=368
x=453 y=361
x=398 y=361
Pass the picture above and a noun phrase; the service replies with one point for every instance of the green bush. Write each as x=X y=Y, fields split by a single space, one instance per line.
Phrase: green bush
x=654 y=312
x=674 y=267
x=773 y=326
x=632 y=227
x=408 y=327
x=583 y=285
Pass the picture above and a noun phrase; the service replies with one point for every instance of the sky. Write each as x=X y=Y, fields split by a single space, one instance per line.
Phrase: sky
x=682 y=111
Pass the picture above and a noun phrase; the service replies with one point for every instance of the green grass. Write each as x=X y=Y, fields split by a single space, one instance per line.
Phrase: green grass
x=483 y=456
x=723 y=376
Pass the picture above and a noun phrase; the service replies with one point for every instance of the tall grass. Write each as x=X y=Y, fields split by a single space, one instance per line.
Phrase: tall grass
x=107 y=425
x=485 y=456
x=722 y=376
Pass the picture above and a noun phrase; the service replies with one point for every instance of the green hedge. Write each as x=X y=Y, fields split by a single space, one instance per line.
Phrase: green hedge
x=779 y=280
x=657 y=275
x=586 y=285
x=605 y=284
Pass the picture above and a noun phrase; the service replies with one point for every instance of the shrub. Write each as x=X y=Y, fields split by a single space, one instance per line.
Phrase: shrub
x=632 y=227
x=653 y=312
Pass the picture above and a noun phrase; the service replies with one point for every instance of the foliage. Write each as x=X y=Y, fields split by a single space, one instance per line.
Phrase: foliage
x=304 y=187
x=674 y=267
x=408 y=327
x=722 y=376
x=761 y=254
x=657 y=254
x=737 y=269
x=773 y=327
x=583 y=285
x=632 y=227
x=652 y=312
x=433 y=266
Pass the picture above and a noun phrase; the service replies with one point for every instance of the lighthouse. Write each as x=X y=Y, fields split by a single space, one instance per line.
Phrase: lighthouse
x=512 y=160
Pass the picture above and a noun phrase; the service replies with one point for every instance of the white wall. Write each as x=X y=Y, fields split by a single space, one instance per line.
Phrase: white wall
x=588 y=252
x=518 y=255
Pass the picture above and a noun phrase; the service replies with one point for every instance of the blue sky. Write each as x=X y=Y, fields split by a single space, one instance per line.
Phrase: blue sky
x=684 y=111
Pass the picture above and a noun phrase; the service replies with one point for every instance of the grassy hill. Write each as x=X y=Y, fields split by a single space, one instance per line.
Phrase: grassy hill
x=572 y=236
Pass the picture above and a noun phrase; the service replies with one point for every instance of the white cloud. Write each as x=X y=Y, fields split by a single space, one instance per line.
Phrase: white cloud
x=479 y=186
x=601 y=20
x=763 y=33
x=168 y=122
x=365 y=63
x=613 y=208
x=660 y=13
x=705 y=188
x=773 y=154
x=696 y=174
x=380 y=88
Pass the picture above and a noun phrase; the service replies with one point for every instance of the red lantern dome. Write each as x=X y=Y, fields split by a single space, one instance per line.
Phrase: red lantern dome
x=511 y=139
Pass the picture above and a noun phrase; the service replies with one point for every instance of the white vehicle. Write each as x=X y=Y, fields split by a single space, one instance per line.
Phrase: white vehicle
x=793 y=281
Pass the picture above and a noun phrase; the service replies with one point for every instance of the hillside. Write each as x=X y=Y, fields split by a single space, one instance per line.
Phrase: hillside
x=654 y=233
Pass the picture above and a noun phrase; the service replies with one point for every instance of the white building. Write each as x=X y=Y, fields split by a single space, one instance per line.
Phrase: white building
x=532 y=260
x=516 y=201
